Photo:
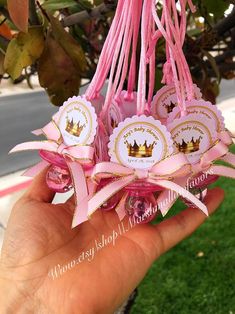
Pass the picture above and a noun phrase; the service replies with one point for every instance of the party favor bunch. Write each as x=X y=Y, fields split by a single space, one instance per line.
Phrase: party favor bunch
x=132 y=151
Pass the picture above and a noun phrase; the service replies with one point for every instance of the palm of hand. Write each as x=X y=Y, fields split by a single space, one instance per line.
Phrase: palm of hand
x=39 y=237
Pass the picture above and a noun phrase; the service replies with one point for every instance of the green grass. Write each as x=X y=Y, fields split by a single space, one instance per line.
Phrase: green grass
x=181 y=282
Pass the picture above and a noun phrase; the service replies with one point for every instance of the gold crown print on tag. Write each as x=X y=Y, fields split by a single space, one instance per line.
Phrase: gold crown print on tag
x=169 y=107
x=73 y=128
x=140 y=151
x=189 y=147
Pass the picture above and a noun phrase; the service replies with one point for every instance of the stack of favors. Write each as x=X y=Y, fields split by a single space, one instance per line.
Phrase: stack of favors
x=136 y=150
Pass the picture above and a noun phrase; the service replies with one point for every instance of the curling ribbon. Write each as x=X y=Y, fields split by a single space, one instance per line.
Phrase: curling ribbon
x=162 y=174
x=75 y=156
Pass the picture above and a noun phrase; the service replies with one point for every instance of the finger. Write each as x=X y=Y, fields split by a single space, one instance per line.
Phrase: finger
x=39 y=189
x=70 y=205
x=175 y=229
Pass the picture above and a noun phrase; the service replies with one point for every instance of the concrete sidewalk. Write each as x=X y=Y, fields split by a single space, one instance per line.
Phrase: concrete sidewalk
x=8 y=88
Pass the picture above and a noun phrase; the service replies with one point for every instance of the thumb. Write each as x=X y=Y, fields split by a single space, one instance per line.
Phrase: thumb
x=175 y=229
x=39 y=189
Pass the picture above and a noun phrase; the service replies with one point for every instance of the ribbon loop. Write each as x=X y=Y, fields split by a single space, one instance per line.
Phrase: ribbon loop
x=75 y=157
x=61 y=148
x=218 y=152
x=104 y=170
x=161 y=174
x=226 y=137
x=141 y=174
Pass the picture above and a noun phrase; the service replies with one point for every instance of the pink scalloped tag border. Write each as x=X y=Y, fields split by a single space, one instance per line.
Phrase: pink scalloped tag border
x=193 y=135
x=205 y=108
x=77 y=121
x=140 y=142
x=165 y=100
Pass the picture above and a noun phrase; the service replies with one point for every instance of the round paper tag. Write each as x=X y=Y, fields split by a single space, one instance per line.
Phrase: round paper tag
x=205 y=108
x=77 y=121
x=165 y=101
x=140 y=142
x=192 y=135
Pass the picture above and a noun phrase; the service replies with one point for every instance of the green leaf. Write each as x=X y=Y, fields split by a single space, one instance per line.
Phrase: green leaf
x=81 y=6
x=2 y=63
x=3 y=3
x=216 y=7
x=57 y=73
x=194 y=32
x=69 y=44
x=158 y=79
x=54 y=5
x=97 y=2
x=23 y=51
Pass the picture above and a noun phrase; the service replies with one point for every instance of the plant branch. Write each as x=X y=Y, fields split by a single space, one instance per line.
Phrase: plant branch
x=224 y=56
x=223 y=68
x=43 y=11
x=79 y=17
x=225 y=24
x=217 y=32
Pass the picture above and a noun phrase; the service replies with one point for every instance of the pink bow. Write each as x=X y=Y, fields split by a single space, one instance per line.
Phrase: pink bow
x=218 y=152
x=81 y=153
x=54 y=143
x=226 y=137
x=162 y=174
x=75 y=157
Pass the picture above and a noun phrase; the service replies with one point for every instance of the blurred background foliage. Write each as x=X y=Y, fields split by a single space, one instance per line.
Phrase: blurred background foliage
x=60 y=41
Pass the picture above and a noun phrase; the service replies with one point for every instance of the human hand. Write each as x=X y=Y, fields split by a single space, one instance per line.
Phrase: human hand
x=39 y=237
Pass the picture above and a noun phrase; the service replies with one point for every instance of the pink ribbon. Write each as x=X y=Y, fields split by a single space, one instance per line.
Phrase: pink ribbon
x=54 y=143
x=77 y=153
x=75 y=156
x=226 y=137
x=162 y=174
x=218 y=152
